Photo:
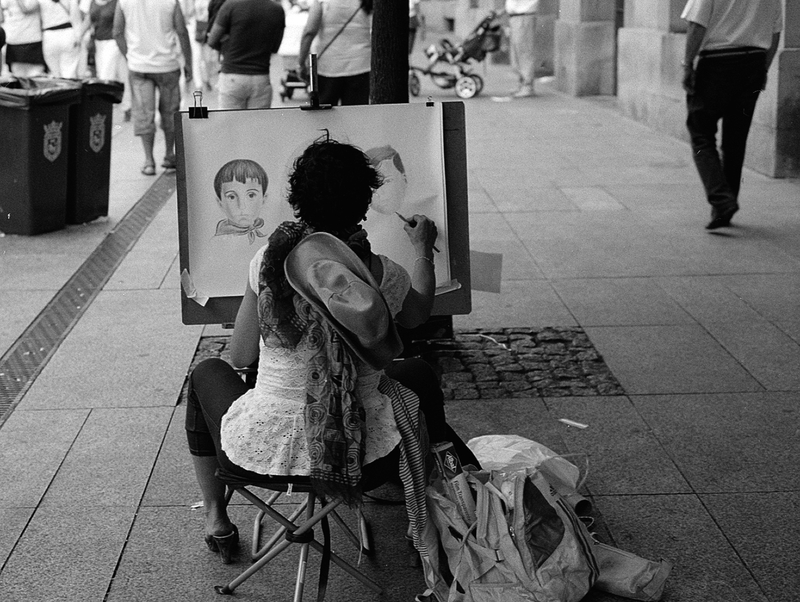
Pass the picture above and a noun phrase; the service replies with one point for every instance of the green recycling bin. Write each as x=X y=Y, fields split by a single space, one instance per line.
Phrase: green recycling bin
x=34 y=154
x=90 y=127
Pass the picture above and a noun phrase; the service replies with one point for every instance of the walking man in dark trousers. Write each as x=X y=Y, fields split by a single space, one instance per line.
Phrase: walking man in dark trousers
x=730 y=45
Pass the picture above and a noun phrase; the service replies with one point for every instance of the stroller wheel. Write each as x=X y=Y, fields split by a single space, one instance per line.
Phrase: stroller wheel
x=288 y=92
x=466 y=87
x=478 y=82
x=413 y=84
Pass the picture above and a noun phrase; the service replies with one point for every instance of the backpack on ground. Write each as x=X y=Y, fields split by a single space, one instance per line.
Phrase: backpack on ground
x=527 y=544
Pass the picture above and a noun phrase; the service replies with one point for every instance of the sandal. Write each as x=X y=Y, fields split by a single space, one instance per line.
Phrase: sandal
x=168 y=163
x=149 y=169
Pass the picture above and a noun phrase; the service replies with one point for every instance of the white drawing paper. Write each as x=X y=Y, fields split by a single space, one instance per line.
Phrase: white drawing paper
x=237 y=165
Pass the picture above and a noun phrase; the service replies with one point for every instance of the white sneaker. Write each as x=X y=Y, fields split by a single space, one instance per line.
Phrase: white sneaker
x=523 y=92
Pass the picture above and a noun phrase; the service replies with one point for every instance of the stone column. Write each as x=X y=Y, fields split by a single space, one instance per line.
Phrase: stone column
x=650 y=49
x=585 y=47
x=773 y=147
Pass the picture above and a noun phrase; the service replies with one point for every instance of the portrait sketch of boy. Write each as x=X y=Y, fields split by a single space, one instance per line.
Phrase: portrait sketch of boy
x=241 y=189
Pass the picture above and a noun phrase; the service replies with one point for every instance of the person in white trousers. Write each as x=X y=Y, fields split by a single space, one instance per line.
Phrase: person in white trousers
x=61 y=30
x=522 y=26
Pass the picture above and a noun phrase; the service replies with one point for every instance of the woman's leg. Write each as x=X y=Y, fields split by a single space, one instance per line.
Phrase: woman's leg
x=356 y=90
x=418 y=375
x=213 y=386
x=329 y=89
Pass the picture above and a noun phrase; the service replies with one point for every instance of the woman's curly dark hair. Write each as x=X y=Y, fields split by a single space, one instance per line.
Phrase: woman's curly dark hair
x=331 y=185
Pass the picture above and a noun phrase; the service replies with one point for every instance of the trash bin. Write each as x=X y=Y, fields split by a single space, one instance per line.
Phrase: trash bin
x=90 y=126
x=90 y=157
x=34 y=138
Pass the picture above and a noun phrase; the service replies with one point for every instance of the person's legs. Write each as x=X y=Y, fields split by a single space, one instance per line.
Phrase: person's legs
x=51 y=51
x=705 y=108
x=355 y=90
x=738 y=117
x=213 y=386
x=169 y=103
x=121 y=75
x=522 y=29
x=233 y=92
x=330 y=89
x=143 y=106
x=70 y=53
x=105 y=59
x=26 y=69
x=261 y=92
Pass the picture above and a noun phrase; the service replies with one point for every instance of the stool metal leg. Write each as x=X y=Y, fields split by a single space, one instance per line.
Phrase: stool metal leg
x=301 y=567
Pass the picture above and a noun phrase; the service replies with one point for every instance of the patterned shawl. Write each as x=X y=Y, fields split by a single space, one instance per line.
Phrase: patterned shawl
x=335 y=422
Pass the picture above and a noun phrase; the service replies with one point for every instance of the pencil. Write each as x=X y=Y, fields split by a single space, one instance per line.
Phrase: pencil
x=411 y=222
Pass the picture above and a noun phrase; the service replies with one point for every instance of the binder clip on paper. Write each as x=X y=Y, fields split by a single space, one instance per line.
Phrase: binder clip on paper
x=313 y=90
x=198 y=111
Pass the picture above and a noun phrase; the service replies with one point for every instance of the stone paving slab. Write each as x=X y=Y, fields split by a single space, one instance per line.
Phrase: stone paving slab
x=523 y=302
x=706 y=567
x=155 y=247
x=26 y=470
x=624 y=456
x=619 y=301
x=732 y=442
x=66 y=554
x=765 y=351
x=14 y=521
x=678 y=358
x=760 y=539
x=110 y=462
x=103 y=343
x=707 y=299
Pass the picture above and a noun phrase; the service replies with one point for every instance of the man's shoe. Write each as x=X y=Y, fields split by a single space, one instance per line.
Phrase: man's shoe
x=523 y=92
x=721 y=218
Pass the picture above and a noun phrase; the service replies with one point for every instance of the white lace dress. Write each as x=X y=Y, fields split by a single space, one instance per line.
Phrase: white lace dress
x=263 y=431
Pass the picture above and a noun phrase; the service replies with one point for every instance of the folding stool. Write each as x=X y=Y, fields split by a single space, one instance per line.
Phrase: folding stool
x=291 y=532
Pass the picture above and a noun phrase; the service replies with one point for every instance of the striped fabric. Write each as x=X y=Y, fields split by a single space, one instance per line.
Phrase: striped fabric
x=412 y=460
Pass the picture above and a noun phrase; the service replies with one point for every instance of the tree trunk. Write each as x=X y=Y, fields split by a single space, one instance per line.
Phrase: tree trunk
x=389 y=68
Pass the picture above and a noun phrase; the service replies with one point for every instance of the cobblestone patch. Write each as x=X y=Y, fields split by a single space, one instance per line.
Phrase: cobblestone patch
x=520 y=362
x=504 y=363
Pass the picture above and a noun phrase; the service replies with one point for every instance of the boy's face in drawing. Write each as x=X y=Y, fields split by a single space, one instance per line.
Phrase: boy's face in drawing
x=242 y=201
x=389 y=197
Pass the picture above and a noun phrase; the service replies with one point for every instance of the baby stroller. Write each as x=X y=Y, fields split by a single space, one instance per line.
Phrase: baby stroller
x=290 y=82
x=450 y=66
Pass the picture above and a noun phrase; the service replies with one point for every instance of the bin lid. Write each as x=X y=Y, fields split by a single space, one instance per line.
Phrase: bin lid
x=111 y=90
x=24 y=92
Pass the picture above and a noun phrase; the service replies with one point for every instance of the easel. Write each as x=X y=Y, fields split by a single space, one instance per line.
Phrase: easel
x=194 y=171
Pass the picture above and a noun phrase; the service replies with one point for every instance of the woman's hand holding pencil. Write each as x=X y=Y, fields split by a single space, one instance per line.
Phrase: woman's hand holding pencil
x=421 y=230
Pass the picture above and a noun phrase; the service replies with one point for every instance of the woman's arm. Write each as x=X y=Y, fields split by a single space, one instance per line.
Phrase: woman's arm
x=246 y=334
x=419 y=300
x=119 y=30
x=309 y=33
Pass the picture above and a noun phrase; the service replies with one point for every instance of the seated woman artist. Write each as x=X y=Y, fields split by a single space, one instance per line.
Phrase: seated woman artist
x=307 y=367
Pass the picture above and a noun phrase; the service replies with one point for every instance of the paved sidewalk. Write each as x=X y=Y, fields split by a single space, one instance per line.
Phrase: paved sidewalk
x=600 y=223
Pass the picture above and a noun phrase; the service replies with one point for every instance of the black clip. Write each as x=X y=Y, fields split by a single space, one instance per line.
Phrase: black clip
x=198 y=111
x=313 y=94
x=429 y=102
